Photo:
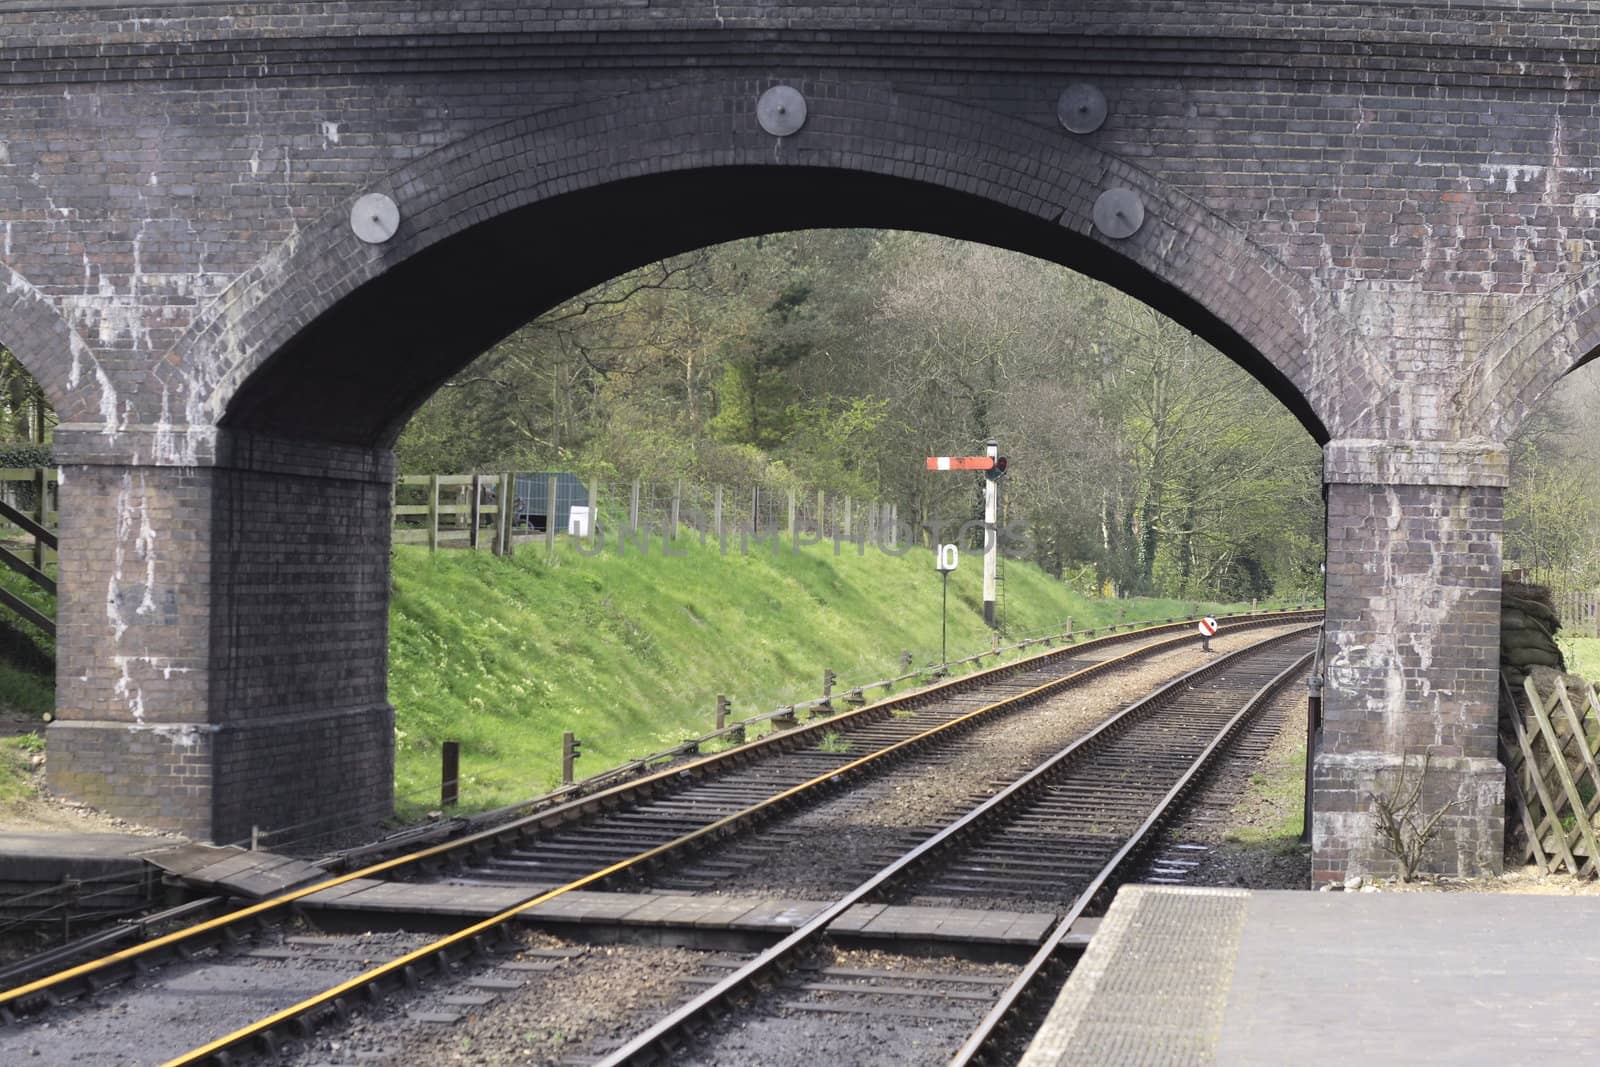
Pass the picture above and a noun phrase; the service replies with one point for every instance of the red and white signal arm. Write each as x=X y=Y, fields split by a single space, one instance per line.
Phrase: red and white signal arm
x=1207 y=627
x=960 y=463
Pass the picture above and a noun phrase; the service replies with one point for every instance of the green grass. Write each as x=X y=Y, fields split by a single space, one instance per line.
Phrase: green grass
x=1280 y=787
x=26 y=686
x=1582 y=655
x=833 y=744
x=26 y=692
x=16 y=774
x=629 y=651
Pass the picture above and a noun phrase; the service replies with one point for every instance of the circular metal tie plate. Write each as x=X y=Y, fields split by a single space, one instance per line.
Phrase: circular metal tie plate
x=781 y=110
x=374 y=218
x=1118 y=213
x=1081 y=108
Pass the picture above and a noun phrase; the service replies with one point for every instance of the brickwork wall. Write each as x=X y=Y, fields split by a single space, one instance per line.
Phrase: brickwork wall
x=299 y=611
x=1413 y=634
x=1413 y=618
x=1387 y=212
x=159 y=776
x=305 y=775
x=223 y=639
x=1422 y=173
x=133 y=626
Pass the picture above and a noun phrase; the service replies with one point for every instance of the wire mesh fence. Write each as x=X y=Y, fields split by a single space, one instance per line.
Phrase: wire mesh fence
x=464 y=511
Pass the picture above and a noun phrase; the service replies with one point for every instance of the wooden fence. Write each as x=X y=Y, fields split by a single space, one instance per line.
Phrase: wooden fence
x=1548 y=742
x=465 y=511
x=29 y=513
x=457 y=511
x=1579 y=611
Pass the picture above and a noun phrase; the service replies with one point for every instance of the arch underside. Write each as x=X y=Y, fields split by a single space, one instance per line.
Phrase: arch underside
x=356 y=373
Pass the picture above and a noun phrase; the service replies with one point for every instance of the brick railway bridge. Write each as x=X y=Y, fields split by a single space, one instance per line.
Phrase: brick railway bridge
x=1387 y=212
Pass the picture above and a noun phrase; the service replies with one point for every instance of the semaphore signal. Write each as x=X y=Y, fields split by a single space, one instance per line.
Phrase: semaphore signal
x=995 y=464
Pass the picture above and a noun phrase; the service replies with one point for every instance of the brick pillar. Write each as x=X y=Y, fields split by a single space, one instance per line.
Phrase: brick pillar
x=222 y=648
x=1413 y=631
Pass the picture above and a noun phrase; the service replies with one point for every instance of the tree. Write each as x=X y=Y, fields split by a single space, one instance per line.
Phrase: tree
x=1552 y=504
x=1143 y=461
x=25 y=412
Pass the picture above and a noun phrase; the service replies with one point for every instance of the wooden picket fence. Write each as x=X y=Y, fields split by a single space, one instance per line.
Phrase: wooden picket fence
x=1579 y=611
x=1549 y=745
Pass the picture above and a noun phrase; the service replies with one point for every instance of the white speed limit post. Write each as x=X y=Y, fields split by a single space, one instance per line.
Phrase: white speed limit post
x=944 y=561
x=1207 y=628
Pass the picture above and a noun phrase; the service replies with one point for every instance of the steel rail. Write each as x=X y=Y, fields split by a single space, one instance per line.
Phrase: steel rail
x=669 y=1032
x=878 y=709
x=979 y=1046
x=27 y=997
x=308 y=1012
x=129 y=929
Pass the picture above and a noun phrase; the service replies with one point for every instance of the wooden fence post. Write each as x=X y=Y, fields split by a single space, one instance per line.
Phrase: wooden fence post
x=433 y=513
x=724 y=707
x=450 y=774
x=791 y=514
x=822 y=514
x=550 y=515
x=508 y=488
x=594 y=512
x=633 y=510
x=476 y=518
x=677 y=509
x=716 y=517
x=41 y=511
x=570 y=750
x=848 y=505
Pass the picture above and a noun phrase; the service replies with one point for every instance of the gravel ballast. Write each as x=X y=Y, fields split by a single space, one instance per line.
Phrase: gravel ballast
x=832 y=847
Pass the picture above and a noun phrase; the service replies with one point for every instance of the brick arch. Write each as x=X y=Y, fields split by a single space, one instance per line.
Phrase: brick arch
x=52 y=351
x=1548 y=341
x=331 y=339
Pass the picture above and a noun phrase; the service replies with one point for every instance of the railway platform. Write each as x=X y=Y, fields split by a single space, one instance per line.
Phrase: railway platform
x=58 y=873
x=51 y=856
x=1237 y=977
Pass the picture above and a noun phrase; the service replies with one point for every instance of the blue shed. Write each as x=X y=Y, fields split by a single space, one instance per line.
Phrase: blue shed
x=531 y=509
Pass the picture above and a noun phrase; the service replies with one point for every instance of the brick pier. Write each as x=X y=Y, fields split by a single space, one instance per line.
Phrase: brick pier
x=1384 y=212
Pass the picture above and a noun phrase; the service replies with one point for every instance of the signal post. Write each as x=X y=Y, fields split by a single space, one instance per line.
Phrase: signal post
x=991 y=529
x=994 y=466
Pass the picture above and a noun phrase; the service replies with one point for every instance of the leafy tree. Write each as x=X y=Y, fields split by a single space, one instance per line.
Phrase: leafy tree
x=1143 y=461
x=25 y=413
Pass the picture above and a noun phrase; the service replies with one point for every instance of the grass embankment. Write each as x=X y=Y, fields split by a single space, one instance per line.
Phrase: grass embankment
x=27 y=653
x=630 y=651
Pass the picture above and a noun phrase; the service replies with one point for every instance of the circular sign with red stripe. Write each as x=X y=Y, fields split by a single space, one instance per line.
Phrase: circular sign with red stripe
x=1208 y=626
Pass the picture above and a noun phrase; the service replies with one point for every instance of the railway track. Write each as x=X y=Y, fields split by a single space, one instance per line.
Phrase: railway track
x=630 y=829
x=494 y=833
x=1063 y=832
